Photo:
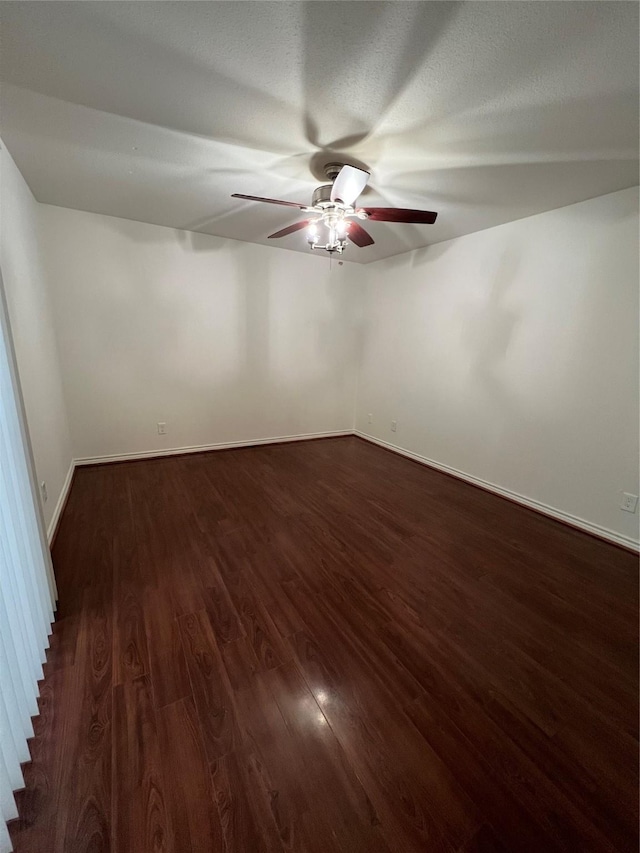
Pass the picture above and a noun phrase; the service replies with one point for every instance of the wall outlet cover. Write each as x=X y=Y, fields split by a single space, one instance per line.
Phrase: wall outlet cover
x=629 y=502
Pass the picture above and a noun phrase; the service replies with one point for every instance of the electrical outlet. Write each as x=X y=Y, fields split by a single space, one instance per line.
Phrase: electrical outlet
x=43 y=492
x=162 y=429
x=394 y=426
x=629 y=502
x=370 y=418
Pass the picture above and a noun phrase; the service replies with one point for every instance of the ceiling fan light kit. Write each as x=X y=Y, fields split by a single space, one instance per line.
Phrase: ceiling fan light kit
x=333 y=206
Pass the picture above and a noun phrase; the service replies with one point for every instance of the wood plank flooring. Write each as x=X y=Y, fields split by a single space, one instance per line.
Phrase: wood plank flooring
x=321 y=647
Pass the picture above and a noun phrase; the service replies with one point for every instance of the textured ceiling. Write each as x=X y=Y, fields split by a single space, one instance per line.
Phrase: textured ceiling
x=484 y=111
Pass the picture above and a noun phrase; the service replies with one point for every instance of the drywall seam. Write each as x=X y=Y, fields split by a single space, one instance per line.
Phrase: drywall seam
x=200 y=448
x=530 y=503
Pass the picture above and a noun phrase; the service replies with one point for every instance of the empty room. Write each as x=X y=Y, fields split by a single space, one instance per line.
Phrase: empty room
x=319 y=426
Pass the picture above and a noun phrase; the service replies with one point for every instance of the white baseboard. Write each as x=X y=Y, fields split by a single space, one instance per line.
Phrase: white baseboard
x=62 y=499
x=552 y=512
x=199 y=448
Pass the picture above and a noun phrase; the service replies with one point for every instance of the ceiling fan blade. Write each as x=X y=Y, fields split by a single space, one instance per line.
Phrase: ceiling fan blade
x=348 y=184
x=290 y=229
x=358 y=235
x=400 y=214
x=270 y=200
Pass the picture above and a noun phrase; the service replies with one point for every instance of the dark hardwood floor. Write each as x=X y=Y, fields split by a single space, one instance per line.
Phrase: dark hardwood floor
x=325 y=647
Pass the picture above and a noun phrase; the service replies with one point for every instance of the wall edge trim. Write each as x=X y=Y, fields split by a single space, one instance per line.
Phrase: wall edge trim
x=52 y=528
x=545 y=509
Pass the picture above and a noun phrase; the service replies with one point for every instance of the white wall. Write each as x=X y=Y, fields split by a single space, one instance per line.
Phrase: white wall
x=30 y=317
x=511 y=355
x=223 y=341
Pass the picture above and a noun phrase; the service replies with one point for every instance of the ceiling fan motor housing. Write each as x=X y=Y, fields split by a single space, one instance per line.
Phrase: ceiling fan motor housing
x=322 y=195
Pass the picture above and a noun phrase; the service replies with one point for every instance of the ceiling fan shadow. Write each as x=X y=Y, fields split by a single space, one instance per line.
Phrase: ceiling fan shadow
x=521 y=187
x=347 y=89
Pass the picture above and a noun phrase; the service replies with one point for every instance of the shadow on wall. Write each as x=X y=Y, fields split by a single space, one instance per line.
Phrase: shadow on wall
x=488 y=333
x=291 y=354
x=149 y=233
x=196 y=241
x=414 y=259
x=228 y=337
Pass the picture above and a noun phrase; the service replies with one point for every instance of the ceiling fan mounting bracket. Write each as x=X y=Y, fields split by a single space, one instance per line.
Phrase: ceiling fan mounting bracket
x=331 y=170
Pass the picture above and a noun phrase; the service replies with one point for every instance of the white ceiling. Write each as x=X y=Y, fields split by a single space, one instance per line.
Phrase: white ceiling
x=158 y=111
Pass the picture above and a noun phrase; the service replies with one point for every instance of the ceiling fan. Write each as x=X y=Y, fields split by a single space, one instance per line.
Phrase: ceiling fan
x=333 y=208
